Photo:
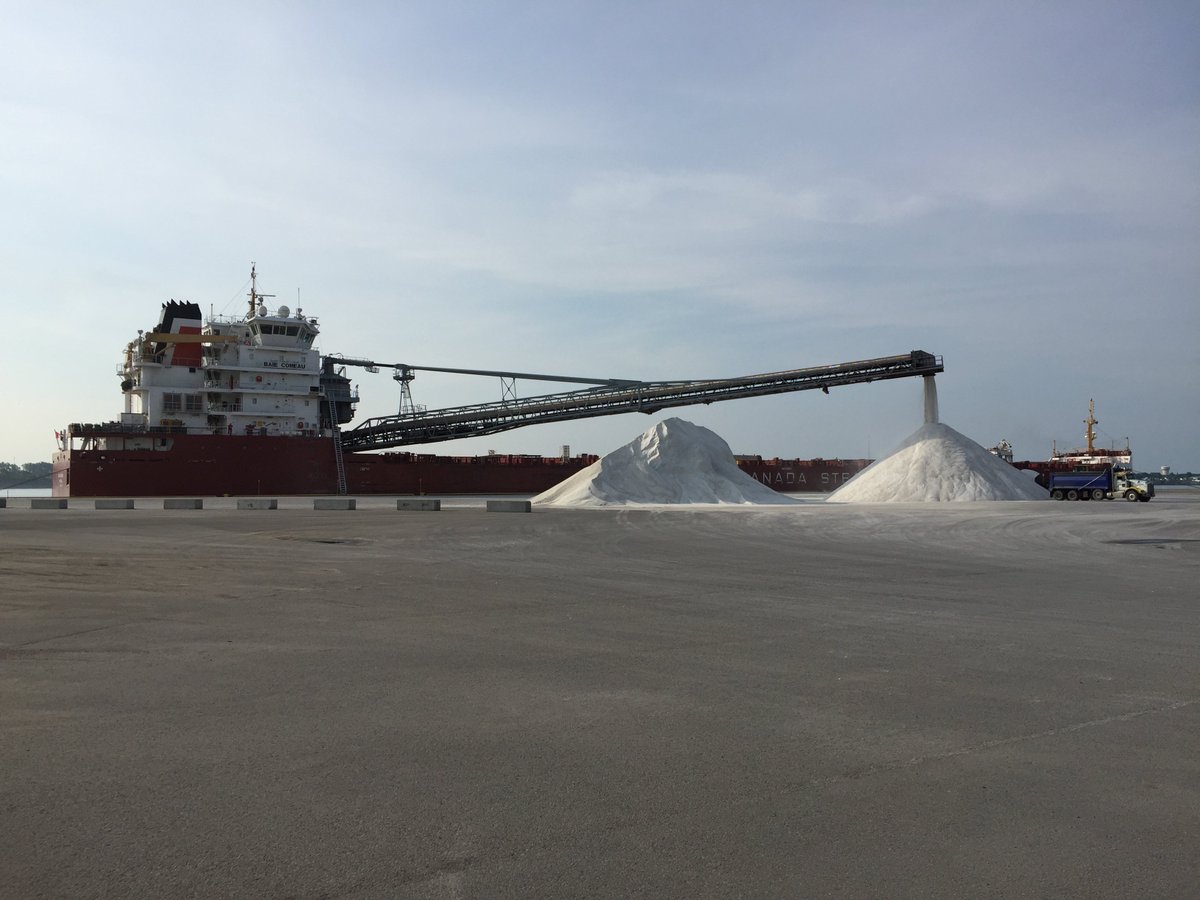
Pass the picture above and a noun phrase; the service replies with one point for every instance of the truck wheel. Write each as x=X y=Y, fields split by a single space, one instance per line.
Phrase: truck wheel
x=1072 y=495
x=1144 y=499
x=1056 y=495
x=1097 y=494
x=1131 y=495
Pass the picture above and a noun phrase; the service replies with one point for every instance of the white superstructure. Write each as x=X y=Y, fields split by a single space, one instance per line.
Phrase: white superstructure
x=256 y=375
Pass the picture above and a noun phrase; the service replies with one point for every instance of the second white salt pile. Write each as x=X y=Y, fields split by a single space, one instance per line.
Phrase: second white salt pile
x=936 y=462
x=674 y=462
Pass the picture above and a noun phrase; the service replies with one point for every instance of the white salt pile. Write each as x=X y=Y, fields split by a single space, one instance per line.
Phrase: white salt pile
x=673 y=462
x=935 y=462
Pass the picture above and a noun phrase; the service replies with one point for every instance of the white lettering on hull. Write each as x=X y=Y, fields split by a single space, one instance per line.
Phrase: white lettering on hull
x=792 y=477
x=835 y=477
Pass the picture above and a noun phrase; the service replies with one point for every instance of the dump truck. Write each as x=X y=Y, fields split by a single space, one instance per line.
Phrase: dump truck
x=1098 y=484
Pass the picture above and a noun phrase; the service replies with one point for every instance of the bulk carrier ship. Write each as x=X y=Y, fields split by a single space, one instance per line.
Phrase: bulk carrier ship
x=248 y=406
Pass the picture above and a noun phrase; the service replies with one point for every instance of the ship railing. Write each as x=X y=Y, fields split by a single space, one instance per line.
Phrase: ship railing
x=124 y=428
x=102 y=429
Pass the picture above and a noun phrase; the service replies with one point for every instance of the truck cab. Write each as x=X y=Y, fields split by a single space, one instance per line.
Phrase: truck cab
x=1131 y=488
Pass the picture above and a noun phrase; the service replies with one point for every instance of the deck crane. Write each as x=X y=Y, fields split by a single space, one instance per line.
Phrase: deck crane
x=604 y=397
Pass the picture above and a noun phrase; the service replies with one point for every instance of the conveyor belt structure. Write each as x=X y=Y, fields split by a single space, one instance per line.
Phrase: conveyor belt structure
x=607 y=397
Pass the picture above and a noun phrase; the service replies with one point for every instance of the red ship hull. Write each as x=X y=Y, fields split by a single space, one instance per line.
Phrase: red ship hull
x=208 y=465
x=173 y=465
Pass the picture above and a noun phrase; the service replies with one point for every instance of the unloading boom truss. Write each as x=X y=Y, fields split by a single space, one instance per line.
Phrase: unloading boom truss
x=611 y=398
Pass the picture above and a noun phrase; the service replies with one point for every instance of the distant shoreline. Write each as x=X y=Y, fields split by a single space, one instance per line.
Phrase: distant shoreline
x=29 y=476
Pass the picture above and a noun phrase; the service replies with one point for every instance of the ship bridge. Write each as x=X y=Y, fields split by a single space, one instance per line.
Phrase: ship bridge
x=606 y=397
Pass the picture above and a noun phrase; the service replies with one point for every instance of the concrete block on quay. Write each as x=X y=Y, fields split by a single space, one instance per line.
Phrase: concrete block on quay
x=111 y=503
x=257 y=503
x=509 y=506
x=334 y=503
x=420 y=504
x=48 y=503
x=183 y=503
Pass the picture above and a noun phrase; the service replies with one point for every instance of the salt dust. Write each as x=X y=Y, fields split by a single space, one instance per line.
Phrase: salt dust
x=936 y=462
x=674 y=462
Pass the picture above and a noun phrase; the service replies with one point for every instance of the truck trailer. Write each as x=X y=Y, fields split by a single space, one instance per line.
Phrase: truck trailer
x=1098 y=484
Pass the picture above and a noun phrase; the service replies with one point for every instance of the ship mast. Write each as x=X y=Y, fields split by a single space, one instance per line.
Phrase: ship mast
x=253 y=292
x=255 y=296
x=1089 y=422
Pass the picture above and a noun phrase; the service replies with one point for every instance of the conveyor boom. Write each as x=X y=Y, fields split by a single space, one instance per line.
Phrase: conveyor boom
x=648 y=397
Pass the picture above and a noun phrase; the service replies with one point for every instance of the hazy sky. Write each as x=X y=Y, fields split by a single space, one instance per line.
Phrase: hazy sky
x=640 y=190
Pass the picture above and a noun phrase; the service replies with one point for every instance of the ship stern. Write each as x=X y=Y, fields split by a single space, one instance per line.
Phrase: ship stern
x=60 y=474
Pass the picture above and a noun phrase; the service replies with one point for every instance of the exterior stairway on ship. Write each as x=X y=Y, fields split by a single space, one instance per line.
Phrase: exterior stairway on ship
x=339 y=462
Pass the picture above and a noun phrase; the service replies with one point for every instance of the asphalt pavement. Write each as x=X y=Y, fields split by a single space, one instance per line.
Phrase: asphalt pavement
x=918 y=700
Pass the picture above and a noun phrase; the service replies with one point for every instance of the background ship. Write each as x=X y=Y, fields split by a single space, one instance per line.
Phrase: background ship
x=1086 y=458
x=247 y=405
x=1091 y=455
